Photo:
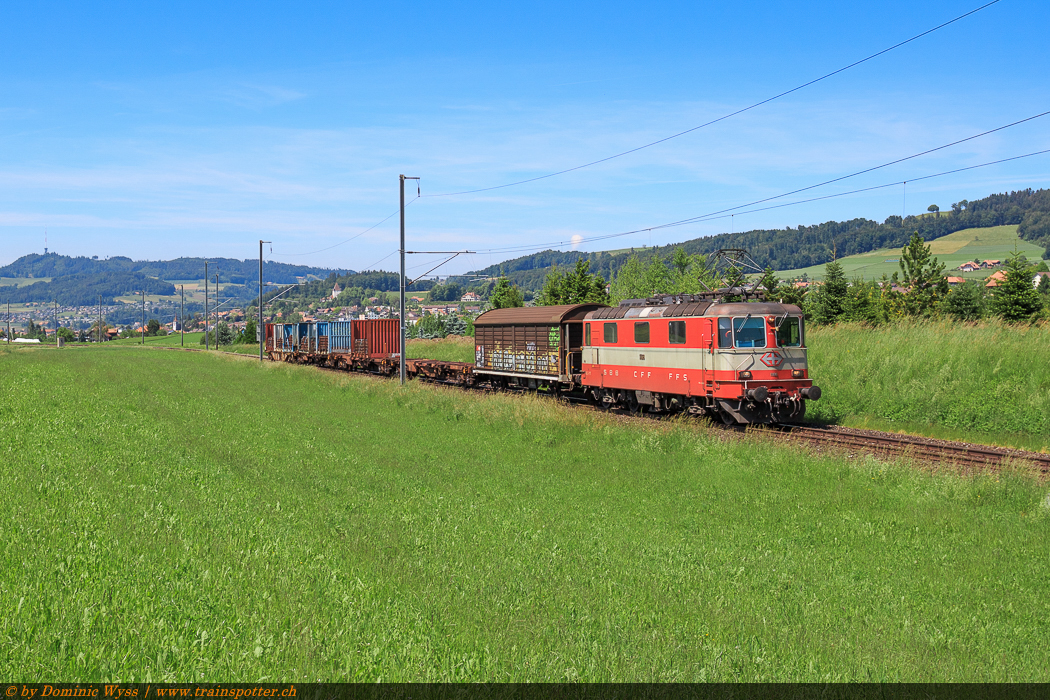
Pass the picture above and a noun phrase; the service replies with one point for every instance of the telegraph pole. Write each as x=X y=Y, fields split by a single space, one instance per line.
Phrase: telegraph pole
x=143 y=317
x=206 y=347
x=403 y=320
x=262 y=335
x=55 y=302
x=100 y=319
x=182 y=314
x=216 y=310
x=8 y=321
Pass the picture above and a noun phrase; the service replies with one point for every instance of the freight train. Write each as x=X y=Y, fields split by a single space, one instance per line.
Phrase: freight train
x=739 y=362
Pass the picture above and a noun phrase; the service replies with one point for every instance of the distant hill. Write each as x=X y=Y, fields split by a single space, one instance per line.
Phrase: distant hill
x=806 y=246
x=84 y=289
x=79 y=281
x=229 y=270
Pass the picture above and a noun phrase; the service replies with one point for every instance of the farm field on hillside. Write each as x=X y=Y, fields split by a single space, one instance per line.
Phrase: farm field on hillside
x=193 y=516
x=21 y=281
x=995 y=243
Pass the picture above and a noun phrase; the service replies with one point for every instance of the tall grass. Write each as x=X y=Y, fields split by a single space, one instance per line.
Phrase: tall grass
x=451 y=349
x=988 y=379
x=181 y=516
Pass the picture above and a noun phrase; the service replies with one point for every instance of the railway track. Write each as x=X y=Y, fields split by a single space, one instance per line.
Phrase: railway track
x=916 y=447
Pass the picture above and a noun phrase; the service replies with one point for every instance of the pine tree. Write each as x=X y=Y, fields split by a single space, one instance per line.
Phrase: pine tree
x=551 y=294
x=829 y=301
x=1015 y=298
x=576 y=287
x=965 y=302
x=455 y=325
x=922 y=276
x=769 y=282
x=504 y=296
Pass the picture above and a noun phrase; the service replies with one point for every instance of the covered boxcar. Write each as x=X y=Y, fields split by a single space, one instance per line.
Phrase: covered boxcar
x=531 y=346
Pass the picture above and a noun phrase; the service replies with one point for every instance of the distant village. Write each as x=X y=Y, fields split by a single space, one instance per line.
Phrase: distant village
x=84 y=319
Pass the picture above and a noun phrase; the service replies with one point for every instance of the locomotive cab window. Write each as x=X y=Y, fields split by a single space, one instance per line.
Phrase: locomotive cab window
x=676 y=332
x=586 y=334
x=641 y=331
x=750 y=332
x=725 y=332
x=789 y=333
x=609 y=331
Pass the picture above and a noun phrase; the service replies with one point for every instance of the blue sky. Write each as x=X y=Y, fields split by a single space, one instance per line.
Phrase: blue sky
x=195 y=130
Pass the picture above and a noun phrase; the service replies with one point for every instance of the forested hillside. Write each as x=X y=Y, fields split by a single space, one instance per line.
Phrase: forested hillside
x=791 y=248
x=229 y=270
x=84 y=289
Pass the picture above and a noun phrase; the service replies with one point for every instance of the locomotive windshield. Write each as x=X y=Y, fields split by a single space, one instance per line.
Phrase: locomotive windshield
x=750 y=332
x=789 y=333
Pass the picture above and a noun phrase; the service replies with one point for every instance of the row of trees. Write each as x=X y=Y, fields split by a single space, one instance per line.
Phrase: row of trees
x=433 y=326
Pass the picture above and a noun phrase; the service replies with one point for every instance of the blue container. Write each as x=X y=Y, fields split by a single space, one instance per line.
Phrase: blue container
x=339 y=336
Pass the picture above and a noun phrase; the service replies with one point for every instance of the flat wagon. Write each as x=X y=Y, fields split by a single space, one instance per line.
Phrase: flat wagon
x=365 y=345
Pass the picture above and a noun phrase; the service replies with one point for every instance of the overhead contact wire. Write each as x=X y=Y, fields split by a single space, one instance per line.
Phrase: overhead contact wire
x=722 y=118
x=722 y=214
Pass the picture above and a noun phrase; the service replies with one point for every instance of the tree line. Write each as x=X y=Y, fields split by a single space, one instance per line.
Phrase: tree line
x=84 y=289
x=230 y=270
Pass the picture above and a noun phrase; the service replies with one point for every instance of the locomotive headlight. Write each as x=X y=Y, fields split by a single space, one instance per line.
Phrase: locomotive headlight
x=744 y=375
x=796 y=374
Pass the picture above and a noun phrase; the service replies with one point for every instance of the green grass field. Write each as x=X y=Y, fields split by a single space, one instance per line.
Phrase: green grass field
x=182 y=516
x=21 y=281
x=996 y=243
x=451 y=349
x=193 y=340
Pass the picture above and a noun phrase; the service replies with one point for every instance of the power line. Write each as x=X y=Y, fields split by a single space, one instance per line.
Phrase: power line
x=373 y=226
x=701 y=217
x=722 y=118
x=372 y=266
x=714 y=217
x=876 y=187
x=867 y=170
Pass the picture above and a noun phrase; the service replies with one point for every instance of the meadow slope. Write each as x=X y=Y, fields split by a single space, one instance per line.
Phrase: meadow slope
x=180 y=516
